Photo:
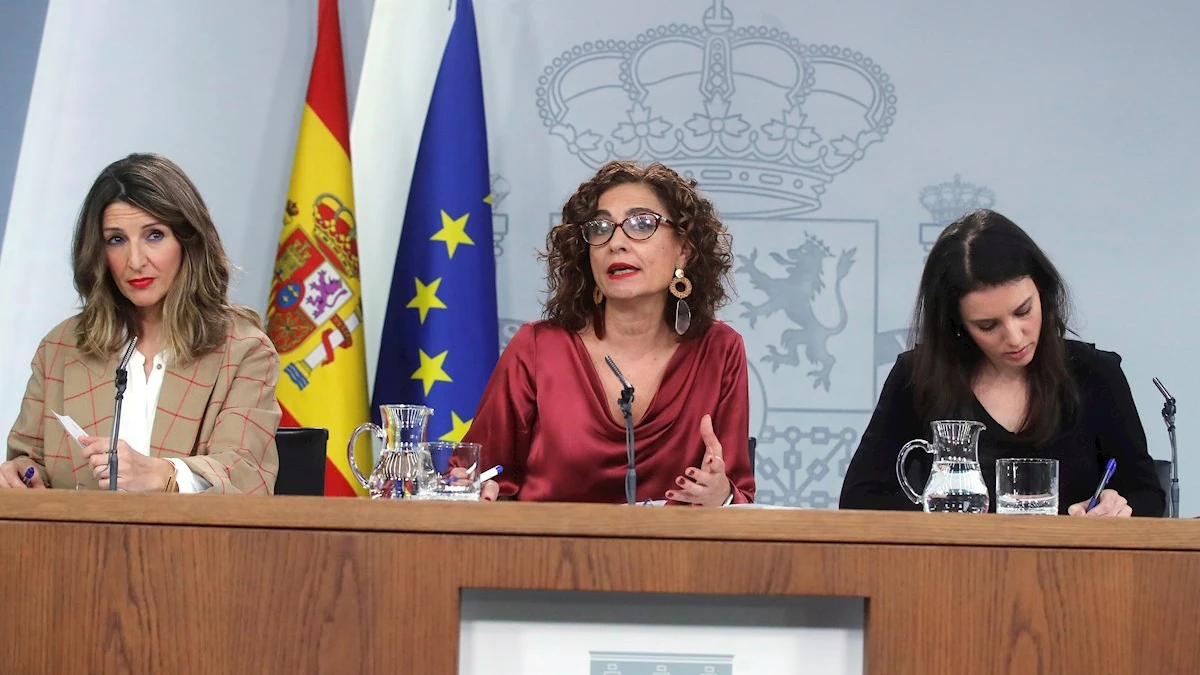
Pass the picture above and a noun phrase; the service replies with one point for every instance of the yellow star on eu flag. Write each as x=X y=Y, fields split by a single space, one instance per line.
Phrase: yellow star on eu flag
x=431 y=370
x=426 y=298
x=459 y=429
x=453 y=232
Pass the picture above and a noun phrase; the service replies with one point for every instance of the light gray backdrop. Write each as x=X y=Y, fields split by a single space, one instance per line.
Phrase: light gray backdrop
x=836 y=138
x=22 y=21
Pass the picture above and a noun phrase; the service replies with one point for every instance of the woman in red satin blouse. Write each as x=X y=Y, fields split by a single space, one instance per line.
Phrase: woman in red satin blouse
x=636 y=272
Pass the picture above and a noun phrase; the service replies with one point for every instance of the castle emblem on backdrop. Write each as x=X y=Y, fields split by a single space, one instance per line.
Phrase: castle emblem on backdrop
x=946 y=202
x=498 y=190
x=309 y=286
x=776 y=134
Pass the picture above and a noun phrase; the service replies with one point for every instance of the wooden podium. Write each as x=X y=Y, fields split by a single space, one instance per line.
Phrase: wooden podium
x=99 y=582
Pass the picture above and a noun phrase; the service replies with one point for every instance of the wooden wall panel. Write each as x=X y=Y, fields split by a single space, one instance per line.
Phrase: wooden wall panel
x=138 y=598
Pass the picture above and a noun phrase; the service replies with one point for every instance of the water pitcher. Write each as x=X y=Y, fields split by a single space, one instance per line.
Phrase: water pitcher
x=955 y=483
x=395 y=475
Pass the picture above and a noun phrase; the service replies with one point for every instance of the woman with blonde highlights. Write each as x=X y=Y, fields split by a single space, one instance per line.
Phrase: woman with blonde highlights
x=636 y=272
x=199 y=411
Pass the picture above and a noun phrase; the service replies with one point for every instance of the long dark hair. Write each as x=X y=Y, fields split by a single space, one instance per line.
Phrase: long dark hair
x=983 y=249
x=569 y=275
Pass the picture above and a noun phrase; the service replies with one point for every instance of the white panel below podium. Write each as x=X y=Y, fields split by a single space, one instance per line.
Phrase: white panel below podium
x=576 y=633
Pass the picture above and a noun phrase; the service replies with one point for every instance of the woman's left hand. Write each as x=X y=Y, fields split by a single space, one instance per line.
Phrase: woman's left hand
x=135 y=472
x=708 y=485
x=1111 y=504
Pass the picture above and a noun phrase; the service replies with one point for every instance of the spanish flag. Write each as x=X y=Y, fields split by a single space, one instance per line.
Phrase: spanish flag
x=315 y=313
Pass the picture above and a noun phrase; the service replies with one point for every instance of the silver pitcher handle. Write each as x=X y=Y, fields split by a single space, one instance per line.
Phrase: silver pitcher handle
x=904 y=484
x=377 y=432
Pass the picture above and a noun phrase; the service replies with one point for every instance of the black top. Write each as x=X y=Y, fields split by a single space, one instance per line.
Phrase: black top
x=1107 y=426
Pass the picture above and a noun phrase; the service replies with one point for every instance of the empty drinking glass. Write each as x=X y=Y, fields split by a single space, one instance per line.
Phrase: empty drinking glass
x=448 y=470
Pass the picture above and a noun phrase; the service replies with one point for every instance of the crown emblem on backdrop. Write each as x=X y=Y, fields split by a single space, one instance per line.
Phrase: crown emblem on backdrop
x=947 y=201
x=746 y=110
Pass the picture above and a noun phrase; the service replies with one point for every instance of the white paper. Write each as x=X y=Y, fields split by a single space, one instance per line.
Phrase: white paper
x=72 y=427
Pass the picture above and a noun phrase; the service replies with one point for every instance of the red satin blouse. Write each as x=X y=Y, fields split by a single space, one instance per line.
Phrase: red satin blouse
x=544 y=417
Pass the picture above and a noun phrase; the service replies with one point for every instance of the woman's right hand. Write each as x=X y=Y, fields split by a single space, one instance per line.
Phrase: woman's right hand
x=489 y=491
x=11 y=476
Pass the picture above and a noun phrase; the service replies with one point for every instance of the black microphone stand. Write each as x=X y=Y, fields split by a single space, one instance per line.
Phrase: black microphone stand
x=121 y=381
x=1168 y=415
x=625 y=402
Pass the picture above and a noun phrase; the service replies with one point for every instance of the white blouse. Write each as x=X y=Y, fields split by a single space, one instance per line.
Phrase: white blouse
x=137 y=417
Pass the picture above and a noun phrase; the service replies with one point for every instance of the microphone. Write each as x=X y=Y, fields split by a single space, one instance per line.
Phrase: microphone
x=1168 y=415
x=626 y=404
x=121 y=381
x=1163 y=390
x=617 y=371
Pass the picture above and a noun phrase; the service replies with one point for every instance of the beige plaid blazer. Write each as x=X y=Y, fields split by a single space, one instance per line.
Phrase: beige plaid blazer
x=219 y=414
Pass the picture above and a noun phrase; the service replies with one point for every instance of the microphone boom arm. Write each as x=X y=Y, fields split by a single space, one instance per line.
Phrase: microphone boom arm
x=1168 y=415
x=625 y=402
x=121 y=380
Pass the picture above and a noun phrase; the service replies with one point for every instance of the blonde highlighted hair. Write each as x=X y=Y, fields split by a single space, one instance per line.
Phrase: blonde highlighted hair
x=196 y=311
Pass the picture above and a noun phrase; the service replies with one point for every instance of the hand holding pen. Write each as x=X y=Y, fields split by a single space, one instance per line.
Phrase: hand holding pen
x=489 y=490
x=11 y=476
x=1103 y=502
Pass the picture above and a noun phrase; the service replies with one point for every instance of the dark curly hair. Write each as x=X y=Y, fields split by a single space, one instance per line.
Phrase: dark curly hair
x=569 y=275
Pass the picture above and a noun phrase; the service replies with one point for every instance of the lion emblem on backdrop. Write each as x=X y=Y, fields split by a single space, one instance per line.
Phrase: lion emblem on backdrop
x=795 y=294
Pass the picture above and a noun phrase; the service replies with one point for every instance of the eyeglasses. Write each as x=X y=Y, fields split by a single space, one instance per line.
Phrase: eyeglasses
x=637 y=227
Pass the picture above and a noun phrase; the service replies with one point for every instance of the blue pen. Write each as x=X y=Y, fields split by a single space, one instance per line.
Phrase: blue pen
x=1108 y=472
x=28 y=479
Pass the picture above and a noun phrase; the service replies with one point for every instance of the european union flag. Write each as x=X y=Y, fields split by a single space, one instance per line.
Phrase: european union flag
x=440 y=338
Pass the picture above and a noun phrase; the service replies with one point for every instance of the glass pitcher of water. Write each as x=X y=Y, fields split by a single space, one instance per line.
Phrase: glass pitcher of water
x=955 y=482
x=396 y=474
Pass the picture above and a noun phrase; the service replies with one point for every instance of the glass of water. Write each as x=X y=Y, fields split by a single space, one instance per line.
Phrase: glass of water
x=1027 y=486
x=448 y=470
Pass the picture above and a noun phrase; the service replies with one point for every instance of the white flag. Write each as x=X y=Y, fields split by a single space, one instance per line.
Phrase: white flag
x=404 y=51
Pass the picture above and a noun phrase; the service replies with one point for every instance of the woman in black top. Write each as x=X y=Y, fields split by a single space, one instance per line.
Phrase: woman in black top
x=989 y=333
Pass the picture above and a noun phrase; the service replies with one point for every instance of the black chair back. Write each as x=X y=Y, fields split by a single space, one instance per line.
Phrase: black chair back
x=301 y=460
x=1162 y=468
x=753 y=464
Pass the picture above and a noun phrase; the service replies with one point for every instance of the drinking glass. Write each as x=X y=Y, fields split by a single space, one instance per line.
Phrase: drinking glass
x=448 y=470
x=1027 y=486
